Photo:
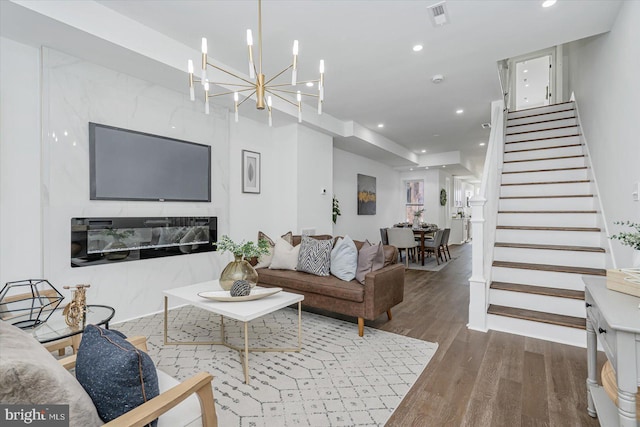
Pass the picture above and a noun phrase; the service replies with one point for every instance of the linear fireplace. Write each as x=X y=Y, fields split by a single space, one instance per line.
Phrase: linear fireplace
x=97 y=241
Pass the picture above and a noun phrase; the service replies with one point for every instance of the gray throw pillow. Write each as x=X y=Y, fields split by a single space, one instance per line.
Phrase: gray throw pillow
x=370 y=258
x=315 y=256
x=30 y=374
x=117 y=376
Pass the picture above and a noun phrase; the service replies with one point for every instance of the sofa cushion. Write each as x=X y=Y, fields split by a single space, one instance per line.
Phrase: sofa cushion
x=308 y=283
x=186 y=414
x=370 y=258
x=285 y=256
x=30 y=374
x=118 y=376
x=265 y=260
x=344 y=259
x=315 y=256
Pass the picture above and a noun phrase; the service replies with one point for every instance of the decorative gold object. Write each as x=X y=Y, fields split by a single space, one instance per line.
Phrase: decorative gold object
x=260 y=86
x=76 y=310
x=239 y=269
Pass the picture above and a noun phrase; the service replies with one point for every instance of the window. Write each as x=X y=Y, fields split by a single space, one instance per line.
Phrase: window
x=415 y=198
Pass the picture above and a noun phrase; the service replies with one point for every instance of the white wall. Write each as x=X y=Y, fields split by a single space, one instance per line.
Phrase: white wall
x=54 y=190
x=603 y=75
x=295 y=165
x=20 y=216
x=389 y=200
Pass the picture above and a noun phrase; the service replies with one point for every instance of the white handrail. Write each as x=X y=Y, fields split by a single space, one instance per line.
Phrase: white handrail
x=484 y=219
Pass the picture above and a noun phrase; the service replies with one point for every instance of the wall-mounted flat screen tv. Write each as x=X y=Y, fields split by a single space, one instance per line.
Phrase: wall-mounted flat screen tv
x=130 y=165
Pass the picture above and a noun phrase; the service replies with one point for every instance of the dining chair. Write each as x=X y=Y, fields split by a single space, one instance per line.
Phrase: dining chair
x=402 y=238
x=434 y=245
x=444 y=246
x=383 y=236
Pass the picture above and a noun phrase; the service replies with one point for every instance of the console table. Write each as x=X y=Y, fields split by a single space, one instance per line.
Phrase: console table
x=613 y=318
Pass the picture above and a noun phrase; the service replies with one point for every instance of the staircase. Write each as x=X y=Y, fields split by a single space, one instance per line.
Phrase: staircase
x=546 y=234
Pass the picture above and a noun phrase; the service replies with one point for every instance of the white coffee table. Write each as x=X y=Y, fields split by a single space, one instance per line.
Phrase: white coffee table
x=243 y=311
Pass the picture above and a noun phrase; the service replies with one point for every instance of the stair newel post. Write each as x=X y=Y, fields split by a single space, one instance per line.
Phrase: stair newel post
x=478 y=282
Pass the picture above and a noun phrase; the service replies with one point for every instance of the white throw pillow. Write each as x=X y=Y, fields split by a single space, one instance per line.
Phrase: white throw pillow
x=344 y=259
x=285 y=256
x=265 y=260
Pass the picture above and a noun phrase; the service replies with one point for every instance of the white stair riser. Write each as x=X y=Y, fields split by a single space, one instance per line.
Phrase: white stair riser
x=562 y=175
x=574 y=188
x=550 y=257
x=543 y=331
x=548 y=220
x=543 y=143
x=543 y=154
x=544 y=303
x=539 y=134
x=547 y=237
x=543 y=125
x=535 y=119
x=539 y=111
x=544 y=164
x=550 y=279
x=544 y=204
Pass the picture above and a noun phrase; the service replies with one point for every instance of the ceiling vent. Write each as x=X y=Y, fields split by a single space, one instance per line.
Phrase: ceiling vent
x=486 y=126
x=438 y=14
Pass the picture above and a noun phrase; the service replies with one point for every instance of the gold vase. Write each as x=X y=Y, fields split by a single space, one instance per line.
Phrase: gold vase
x=238 y=269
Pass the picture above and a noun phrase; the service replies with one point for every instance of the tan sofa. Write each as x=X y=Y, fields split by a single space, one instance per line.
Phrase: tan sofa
x=382 y=289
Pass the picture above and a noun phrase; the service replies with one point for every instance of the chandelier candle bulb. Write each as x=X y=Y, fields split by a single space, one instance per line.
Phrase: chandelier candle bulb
x=206 y=97
x=204 y=60
x=252 y=67
x=294 y=72
x=299 y=99
x=235 y=101
x=269 y=104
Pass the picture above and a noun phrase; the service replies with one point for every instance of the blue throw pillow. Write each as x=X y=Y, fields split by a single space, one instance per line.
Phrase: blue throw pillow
x=117 y=376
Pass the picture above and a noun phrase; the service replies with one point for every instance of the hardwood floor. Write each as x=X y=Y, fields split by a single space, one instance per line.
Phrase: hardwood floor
x=482 y=379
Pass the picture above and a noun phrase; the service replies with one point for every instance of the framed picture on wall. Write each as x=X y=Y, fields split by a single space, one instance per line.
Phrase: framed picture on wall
x=366 y=195
x=250 y=172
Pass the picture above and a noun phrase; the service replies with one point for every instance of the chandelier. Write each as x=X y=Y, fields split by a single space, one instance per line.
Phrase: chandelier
x=261 y=87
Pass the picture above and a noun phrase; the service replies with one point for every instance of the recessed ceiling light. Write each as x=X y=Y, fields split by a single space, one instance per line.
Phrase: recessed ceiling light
x=410 y=169
x=482 y=144
x=173 y=127
x=436 y=135
x=525 y=71
x=460 y=111
x=309 y=84
x=417 y=48
x=65 y=133
x=444 y=166
x=423 y=151
x=548 y=3
x=527 y=85
x=380 y=125
x=426 y=167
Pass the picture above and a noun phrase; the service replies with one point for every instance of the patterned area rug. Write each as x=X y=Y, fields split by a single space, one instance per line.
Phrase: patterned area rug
x=338 y=379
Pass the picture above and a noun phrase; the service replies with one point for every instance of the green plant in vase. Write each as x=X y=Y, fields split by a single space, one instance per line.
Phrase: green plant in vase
x=335 y=211
x=631 y=239
x=239 y=268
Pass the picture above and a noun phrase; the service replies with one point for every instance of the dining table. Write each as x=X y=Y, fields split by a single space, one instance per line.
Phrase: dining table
x=424 y=234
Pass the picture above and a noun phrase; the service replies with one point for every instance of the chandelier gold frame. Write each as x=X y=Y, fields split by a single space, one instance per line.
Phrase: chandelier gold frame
x=260 y=87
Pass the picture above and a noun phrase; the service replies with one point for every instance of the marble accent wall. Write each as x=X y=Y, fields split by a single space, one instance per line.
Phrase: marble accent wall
x=76 y=92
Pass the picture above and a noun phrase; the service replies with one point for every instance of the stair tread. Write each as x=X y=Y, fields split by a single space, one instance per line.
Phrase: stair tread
x=538 y=290
x=542 y=148
x=549 y=247
x=577 y=181
x=542 y=130
x=562 y=196
x=549 y=267
x=538 y=316
x=539 y=114
x=542 y=121
x=545 y=228
x=548 y=170
x=543 y=158
x=542 y=139
x=542 y=106
x=548 y=212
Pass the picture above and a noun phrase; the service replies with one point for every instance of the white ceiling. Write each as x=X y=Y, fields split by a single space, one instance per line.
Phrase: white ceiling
x=372 y=74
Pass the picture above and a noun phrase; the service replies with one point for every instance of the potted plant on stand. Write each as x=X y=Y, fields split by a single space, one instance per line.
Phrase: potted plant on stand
x=239 y=268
